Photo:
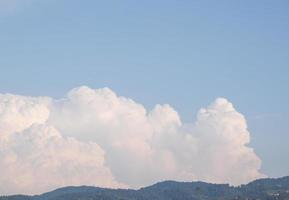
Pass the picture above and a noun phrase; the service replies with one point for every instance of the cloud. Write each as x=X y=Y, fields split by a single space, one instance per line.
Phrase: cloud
x=95 y=137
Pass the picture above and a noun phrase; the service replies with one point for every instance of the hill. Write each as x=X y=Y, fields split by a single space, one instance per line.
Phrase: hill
x=263 y=189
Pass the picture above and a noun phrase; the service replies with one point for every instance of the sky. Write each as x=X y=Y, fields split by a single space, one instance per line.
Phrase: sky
x=182 y=53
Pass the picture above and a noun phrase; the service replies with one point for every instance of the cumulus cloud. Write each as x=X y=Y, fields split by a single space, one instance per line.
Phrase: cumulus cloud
x=95 y=137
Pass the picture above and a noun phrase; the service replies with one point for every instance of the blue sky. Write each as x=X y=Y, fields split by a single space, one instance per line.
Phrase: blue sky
x=185 y=53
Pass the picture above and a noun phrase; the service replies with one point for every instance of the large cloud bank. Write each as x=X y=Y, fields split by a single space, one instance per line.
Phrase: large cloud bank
x=94 y=137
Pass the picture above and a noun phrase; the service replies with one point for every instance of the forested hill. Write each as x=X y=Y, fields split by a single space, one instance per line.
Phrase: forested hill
x=262 y=189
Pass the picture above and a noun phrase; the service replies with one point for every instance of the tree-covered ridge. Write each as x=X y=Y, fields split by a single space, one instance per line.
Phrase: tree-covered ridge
x=263 y=189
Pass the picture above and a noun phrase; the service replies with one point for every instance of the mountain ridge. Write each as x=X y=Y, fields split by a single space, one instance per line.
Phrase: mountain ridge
x=265 y=188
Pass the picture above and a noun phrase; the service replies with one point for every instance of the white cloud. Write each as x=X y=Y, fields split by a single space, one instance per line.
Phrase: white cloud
x=95 y=137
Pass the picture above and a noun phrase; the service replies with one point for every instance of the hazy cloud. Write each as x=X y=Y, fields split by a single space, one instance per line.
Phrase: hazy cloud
x=10 y=6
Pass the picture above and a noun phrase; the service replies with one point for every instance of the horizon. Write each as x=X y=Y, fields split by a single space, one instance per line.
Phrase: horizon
x=154 y=184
